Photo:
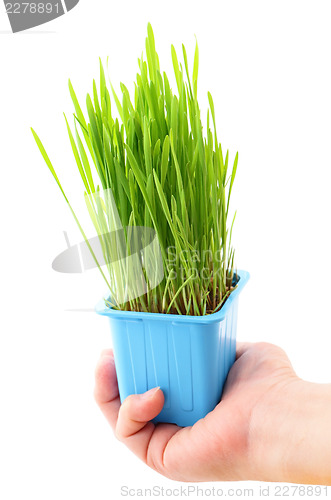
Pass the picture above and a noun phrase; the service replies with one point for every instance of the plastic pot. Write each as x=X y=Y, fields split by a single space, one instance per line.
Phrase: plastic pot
x=189 y=357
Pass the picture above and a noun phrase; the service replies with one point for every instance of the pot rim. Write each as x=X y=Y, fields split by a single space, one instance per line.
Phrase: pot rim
x=103 y=310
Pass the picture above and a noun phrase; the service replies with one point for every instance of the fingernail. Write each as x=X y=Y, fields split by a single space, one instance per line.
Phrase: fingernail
x=108 y=359
x=150 y=394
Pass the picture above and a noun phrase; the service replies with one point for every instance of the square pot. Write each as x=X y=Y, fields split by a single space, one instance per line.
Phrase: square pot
x=189 y=357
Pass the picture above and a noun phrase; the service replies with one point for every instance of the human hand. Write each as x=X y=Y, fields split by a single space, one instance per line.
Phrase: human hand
x=270 y=425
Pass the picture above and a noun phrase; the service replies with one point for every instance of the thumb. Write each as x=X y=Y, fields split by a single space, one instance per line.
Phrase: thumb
x=137 y=410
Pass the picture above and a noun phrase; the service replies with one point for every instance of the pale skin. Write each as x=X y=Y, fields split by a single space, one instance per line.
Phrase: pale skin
x=270 y=425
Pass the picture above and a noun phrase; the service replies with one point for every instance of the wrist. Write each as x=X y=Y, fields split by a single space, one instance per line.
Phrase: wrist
x=308 y=452
x=294 y=438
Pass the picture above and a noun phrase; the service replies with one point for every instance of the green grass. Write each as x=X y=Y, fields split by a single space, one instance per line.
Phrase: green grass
x=164 y=172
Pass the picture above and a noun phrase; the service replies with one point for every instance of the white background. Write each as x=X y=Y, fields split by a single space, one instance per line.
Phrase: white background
x=267 y=65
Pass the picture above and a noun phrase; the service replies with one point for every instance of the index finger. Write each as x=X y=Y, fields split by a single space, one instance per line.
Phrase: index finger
x=242 y=347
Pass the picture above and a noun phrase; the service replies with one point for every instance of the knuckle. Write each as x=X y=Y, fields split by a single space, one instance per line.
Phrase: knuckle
x=155 y=459
x=156 y=463
x=127 y=406
x=268 y=347
x=150 y=461
x=263 y=346
x=128 y=400
x=118 y=434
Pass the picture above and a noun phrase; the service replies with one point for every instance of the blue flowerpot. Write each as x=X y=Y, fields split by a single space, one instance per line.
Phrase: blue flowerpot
x=189 y=357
